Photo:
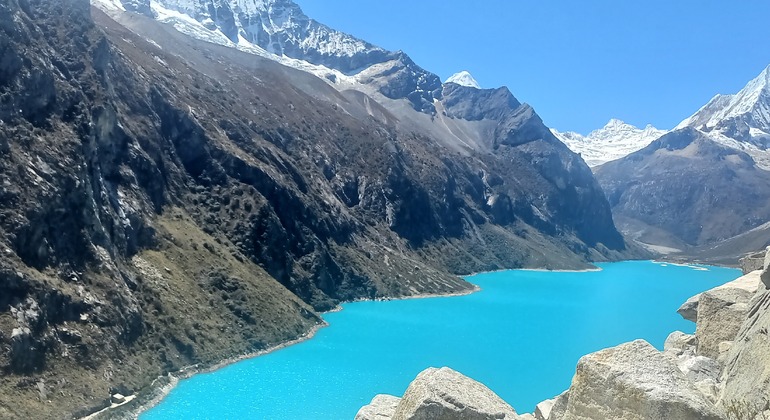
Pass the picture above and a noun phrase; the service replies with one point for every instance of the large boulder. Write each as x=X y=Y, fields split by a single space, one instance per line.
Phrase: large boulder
x=749 y=282
x=746 y=375
x=632 y=381
x=721 y=313
x=752 y=262
x=543 y=409
x=448 y=395
x=766 y=273
x=689 y=309
x=382 y=407
x=559 y=408
x=680 y=344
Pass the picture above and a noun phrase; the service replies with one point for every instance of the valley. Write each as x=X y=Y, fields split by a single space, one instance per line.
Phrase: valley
x=184 y=183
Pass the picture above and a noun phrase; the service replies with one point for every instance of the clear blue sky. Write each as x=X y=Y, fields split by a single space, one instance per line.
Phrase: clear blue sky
x=579 y=63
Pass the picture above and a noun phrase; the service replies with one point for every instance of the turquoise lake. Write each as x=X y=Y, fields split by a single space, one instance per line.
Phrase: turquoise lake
x=521 y=335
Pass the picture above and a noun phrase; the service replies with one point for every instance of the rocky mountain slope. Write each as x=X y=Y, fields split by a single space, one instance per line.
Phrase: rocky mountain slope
x=613 y=141
x=169 y=202
x=279 y=30
x=703 y=188
x=687 y=190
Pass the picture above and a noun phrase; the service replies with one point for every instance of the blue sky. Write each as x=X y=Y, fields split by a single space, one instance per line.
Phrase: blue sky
x=579 y=63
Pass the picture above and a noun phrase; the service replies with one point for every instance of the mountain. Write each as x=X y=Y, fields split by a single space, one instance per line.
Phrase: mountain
x=703 y=189
x=279 y=30
x=463 y=78
x=741 y=120
x=613 y=141
x=169 y=202
x=694 y=189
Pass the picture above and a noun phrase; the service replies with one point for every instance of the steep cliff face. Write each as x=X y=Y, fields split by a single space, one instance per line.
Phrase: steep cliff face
x=173 y=202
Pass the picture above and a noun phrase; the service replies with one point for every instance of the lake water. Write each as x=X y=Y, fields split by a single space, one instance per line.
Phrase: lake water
x=522 y=336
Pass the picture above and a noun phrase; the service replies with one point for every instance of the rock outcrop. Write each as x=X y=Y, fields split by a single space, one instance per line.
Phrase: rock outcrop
x=721 y=312
x=746 y=374
x=382 y=407
x=746 y=283
x=633 y=381
x=440 y=394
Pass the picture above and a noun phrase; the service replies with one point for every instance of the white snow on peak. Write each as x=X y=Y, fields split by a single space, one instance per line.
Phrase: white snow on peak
x=615 y=140
x=752 y=104
x=464 y=78
x=740 y=121
x=108 y=5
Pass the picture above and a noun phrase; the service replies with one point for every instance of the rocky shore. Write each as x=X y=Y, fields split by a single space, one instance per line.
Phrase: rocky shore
x=722 y=372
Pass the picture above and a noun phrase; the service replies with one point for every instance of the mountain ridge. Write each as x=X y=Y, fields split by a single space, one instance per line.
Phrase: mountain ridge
x=613 y=141
x=279 y=30
x=173 y=202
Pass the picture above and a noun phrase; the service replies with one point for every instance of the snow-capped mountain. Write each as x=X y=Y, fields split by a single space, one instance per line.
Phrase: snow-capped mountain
x=740 y=121
x=463 y=78
x=279 y=29
x=613 y=141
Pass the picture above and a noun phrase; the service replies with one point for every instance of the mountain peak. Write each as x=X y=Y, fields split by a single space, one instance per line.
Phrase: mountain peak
x=464 y=78
x=751 y=104
x=614 y=122
x=613 y=141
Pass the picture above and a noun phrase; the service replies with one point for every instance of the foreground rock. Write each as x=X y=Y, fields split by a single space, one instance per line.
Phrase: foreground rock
x=440 y=394
x=382 y=407
x=749 y=283
x=632 y=381
x=720 y=315
x=746 y=374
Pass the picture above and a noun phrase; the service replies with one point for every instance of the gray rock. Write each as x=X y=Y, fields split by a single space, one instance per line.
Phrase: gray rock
x=699 y=368
x=767 y=259
x=752 y=262
x=679 y=343
x=689 y=309
x=543 y=410
x=748 y=282
x=446 y=394
x=382 y=407
x=746 y=375
x=720 y=315
x=633 y=381
x=559 y=409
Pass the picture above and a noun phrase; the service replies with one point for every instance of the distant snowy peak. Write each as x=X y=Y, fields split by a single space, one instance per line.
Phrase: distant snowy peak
x=740 y=121
x=615 y=140
x=464 y=78
x=751 y=105
x=279 y=30
x=278 y=26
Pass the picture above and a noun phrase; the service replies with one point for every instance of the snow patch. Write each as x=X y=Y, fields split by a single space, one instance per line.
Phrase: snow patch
x=614 y=141
x=751 y=104
x=109 y=5
x=464 y=78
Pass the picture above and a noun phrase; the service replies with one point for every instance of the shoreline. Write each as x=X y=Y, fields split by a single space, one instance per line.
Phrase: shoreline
x=163 y=385
x=471 y=291
x=540 y=270
x=159 y=388
x=155 y=392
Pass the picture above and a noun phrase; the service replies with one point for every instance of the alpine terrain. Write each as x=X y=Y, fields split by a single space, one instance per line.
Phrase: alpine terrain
x=704 y=188
x=615 y=140
x=170 y=200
